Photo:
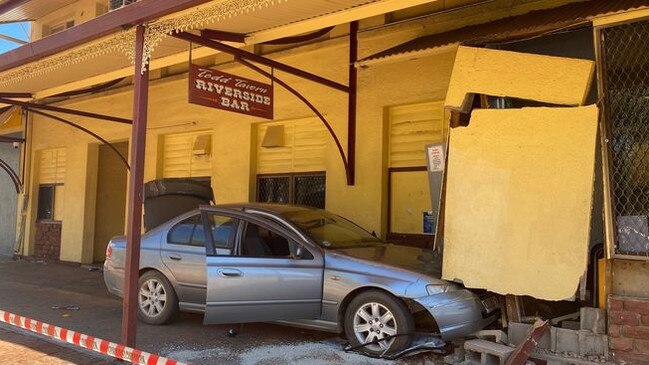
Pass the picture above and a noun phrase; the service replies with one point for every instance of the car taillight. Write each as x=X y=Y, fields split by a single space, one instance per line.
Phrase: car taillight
x=109 y=251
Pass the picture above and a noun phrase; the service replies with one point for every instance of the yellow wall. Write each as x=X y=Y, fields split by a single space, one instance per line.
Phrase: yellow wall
x=80 y=12
x=519 y=199
x=234 y=136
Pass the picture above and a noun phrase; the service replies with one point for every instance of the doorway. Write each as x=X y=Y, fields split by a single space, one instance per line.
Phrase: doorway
x=111 y=198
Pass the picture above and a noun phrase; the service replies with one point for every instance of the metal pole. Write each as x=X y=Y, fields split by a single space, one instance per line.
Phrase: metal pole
x=135 y=187
x=87 y=131
x=351 y=103
x=52 y=108
x=240 y=53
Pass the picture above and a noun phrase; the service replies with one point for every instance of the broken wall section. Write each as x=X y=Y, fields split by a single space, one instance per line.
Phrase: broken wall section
x=520 y=181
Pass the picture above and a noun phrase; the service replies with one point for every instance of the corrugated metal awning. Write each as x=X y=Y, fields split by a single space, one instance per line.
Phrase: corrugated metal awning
x=52 y=64
x=12 y=11
x=508 y=29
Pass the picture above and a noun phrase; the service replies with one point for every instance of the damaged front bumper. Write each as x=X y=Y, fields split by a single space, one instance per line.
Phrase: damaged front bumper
x=457 y=313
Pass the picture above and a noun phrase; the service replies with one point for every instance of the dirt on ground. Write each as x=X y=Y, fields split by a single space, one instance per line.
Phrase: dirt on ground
x=31 y=289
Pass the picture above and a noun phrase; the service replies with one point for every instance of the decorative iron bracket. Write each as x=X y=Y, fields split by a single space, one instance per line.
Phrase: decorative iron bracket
x=245 y=58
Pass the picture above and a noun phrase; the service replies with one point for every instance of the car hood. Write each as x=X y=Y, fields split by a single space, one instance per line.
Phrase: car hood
x=421 y=261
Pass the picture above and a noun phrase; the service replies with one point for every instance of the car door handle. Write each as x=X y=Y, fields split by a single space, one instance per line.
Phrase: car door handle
x=174 y=257
x=230 y=273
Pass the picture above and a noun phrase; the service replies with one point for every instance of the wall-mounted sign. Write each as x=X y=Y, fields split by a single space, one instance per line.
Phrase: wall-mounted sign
x=225 y=91
x=435 y=158
x=436 y=161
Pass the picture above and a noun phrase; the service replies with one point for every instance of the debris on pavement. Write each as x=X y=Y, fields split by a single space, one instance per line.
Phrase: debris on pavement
x=421 y=343
x=66 y=307
x=294 y=353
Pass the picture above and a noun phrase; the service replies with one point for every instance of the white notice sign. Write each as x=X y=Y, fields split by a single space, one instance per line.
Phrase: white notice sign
x=435 y=158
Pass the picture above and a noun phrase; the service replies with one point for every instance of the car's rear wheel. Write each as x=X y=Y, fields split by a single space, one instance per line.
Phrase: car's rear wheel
x=379 y=320
x=157 y=300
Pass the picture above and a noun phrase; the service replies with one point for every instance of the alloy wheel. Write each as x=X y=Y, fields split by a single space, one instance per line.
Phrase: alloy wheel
x=373 y=322
x=152 y=297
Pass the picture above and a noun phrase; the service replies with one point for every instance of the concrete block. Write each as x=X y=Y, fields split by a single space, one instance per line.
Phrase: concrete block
x=517 y=332
x=488 y=353
x=571 y=325
x=564 y=340
x=593 y=319
x=493 y=335
x=592 y=344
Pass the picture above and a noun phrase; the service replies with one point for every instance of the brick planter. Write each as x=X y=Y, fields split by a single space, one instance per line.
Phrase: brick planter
x=628 y=329
x=47 y=243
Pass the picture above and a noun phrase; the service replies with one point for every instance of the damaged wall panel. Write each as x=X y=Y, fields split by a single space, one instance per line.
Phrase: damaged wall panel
x=554 y=80
x=518 y=203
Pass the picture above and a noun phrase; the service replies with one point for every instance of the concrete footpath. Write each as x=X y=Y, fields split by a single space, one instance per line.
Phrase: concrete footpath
x=20 y=347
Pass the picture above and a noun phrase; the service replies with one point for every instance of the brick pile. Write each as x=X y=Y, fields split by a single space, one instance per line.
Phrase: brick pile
x=628 y=329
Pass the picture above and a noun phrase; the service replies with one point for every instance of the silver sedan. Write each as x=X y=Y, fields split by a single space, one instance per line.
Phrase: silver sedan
x=298 y=266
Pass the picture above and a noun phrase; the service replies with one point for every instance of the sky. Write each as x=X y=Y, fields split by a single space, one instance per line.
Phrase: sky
x=16 y=30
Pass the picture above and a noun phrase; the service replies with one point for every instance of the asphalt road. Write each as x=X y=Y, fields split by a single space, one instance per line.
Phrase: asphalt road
x=32 y=288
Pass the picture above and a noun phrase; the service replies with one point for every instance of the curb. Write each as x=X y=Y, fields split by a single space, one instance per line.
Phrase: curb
x=104 y=347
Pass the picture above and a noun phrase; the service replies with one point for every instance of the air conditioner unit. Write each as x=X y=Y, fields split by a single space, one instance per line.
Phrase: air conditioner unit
x=116 y=4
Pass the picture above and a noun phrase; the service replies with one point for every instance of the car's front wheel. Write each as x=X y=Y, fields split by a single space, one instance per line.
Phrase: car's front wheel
x=380 y=321
x=157 y=301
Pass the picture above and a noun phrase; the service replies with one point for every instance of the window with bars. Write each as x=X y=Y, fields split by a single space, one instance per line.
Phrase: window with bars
x=625 y=71
x=302 y=189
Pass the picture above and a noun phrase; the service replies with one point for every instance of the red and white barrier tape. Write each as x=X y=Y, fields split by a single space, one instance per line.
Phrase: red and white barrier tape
x=112 y=349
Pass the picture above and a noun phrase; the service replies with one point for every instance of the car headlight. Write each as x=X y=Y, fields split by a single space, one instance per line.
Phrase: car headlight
x=436 y=288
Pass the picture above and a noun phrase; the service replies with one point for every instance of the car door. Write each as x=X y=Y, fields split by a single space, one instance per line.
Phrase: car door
x=183 y=252
x=267 y=275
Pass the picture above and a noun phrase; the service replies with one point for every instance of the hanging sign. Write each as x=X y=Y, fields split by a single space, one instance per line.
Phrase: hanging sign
x=220 y=90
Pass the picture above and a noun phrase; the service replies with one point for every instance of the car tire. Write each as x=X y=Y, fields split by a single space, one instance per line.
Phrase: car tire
x=394 y=319
x=157 y=300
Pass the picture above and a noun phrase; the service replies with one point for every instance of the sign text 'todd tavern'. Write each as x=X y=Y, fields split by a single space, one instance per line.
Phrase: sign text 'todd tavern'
x=229 y=92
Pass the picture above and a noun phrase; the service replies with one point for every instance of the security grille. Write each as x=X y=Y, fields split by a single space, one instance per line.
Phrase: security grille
x=310 y=190
x=300 y=189
x=626 y=96
x=274 y=189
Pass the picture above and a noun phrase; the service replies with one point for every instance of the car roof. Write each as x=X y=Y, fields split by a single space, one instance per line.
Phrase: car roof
x=278 y=209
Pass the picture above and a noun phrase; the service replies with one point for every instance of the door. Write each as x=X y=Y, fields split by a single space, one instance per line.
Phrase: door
x=111 y=198
x=183 y=252
x=267 y=275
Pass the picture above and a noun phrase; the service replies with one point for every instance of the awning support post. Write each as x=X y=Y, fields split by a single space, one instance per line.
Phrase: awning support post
x=351 y=103
x=135 y=190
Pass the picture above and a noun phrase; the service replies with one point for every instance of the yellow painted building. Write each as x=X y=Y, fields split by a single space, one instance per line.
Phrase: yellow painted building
x=400 y=109
x=75 y=186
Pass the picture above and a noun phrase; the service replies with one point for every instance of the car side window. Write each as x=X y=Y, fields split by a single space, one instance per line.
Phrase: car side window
x=187 y=232
x=259 y=241
x=223 y=230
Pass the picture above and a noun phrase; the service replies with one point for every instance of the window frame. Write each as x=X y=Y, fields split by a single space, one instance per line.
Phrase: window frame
x=241 y=232
x=198 y=219
x=52 y=186
x=210 y=247
x=292 y=176
x=408 y=239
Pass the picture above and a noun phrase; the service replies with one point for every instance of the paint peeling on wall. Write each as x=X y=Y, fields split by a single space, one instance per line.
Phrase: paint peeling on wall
x=519 y=198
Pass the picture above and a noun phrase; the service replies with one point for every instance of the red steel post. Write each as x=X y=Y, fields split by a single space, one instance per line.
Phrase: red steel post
x=351 y=103
x=135 y=189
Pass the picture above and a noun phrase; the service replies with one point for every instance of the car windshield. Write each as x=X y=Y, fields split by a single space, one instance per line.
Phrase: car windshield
x=330 y=230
